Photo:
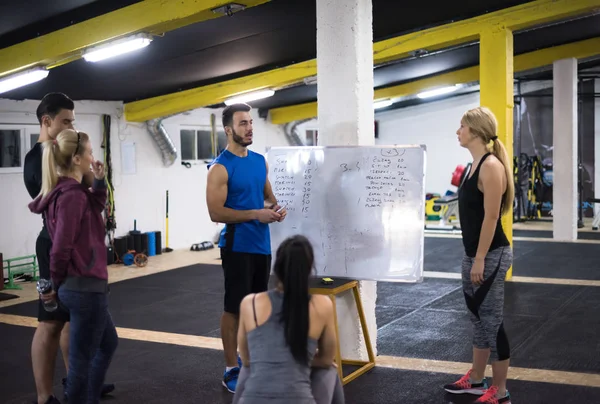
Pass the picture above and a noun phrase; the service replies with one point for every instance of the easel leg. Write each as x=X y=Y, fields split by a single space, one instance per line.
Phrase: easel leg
x=363 y=323
x=338 y=355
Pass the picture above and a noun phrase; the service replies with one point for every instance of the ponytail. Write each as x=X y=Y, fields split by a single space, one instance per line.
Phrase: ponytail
x=293 y=264
x=49 y=171
x=57 y=157
x=483 y=123
x=501 y=154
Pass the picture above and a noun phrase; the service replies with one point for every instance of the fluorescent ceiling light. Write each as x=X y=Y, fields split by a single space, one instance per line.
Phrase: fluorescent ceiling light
x=115 y=48
x=310 y=81
x=438 y=91
x=382 y=104
x=256 y=95
x=24 y=78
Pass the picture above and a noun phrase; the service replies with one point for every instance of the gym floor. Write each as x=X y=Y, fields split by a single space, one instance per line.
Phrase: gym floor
x=168 y=314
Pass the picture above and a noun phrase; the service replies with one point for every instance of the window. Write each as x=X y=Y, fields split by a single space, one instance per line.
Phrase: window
x=197 y=144
x=312 y=137
x=33 y=138
x=10 y=147
x=15 y=142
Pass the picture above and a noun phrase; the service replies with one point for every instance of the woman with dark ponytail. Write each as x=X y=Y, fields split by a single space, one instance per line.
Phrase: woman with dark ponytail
x=286 y=337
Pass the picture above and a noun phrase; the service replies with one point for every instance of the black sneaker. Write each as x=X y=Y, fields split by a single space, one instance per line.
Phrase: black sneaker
x=50 y=400
x=106 y=389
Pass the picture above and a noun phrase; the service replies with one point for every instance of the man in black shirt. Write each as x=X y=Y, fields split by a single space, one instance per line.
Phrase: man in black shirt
x=55 y=113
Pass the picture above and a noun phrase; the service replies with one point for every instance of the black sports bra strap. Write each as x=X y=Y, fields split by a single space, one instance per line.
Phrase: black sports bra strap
x=254 y=309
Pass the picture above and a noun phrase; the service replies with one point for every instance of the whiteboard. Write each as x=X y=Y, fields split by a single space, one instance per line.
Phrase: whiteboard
x=362 y=208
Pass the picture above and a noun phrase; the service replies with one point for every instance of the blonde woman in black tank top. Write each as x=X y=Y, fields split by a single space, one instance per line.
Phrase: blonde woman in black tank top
x=485 y=196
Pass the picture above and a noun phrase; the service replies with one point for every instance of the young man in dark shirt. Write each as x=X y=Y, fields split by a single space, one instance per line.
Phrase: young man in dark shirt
x=55 y=113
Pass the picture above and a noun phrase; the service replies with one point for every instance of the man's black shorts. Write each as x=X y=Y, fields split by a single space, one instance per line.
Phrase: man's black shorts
x=244 y=273
x=43 y=245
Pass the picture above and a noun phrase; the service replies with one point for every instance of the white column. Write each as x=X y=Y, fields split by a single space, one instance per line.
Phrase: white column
x=564 y=195
x=597 y=147
x=346 y=117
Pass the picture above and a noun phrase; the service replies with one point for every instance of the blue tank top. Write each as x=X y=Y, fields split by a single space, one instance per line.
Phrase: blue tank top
x=245 y=191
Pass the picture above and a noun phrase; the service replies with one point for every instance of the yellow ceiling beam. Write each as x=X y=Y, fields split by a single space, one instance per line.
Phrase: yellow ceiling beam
x=174 y=103
x=513 y=18
x=544 y=57
x=527 y=61
x=292 y=113
x=467 y=75
x=68 y=44
x=526 y=15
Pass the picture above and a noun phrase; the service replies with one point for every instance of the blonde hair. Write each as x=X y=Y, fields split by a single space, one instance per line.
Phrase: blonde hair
x=57 y=158
x=483 y=123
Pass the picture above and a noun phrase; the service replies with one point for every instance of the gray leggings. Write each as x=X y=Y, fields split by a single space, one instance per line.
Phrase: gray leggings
x=486 y=302
x=325 y=384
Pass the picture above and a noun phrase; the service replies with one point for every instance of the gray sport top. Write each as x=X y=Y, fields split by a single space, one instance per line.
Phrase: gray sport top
x=274 y=373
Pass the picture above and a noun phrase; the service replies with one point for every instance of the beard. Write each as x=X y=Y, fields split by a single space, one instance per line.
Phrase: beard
x=240 y=139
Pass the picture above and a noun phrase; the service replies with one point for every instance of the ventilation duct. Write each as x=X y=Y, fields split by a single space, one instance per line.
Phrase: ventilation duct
x=163 y=141
x=292 y=134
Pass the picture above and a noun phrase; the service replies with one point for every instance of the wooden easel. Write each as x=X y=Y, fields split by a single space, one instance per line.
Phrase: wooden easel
x=332 y=290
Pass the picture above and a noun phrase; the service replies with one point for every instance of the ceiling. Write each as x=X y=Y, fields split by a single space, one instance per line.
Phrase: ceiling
x=271 y=35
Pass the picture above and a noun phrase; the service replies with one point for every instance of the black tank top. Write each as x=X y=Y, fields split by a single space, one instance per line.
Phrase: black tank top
x=471 y=213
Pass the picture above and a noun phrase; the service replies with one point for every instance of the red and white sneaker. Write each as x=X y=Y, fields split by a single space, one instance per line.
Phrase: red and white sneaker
x=464 y=386
x=491 y=397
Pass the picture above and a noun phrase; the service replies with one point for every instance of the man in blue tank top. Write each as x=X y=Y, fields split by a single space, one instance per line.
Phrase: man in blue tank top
x=239 y=194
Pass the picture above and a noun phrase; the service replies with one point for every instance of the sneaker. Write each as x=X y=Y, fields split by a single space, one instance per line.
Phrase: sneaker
x=491 y=397
x=464 y=386
x=106 y=389
x=50 y=400
x=230 y=379
x=239 y=361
